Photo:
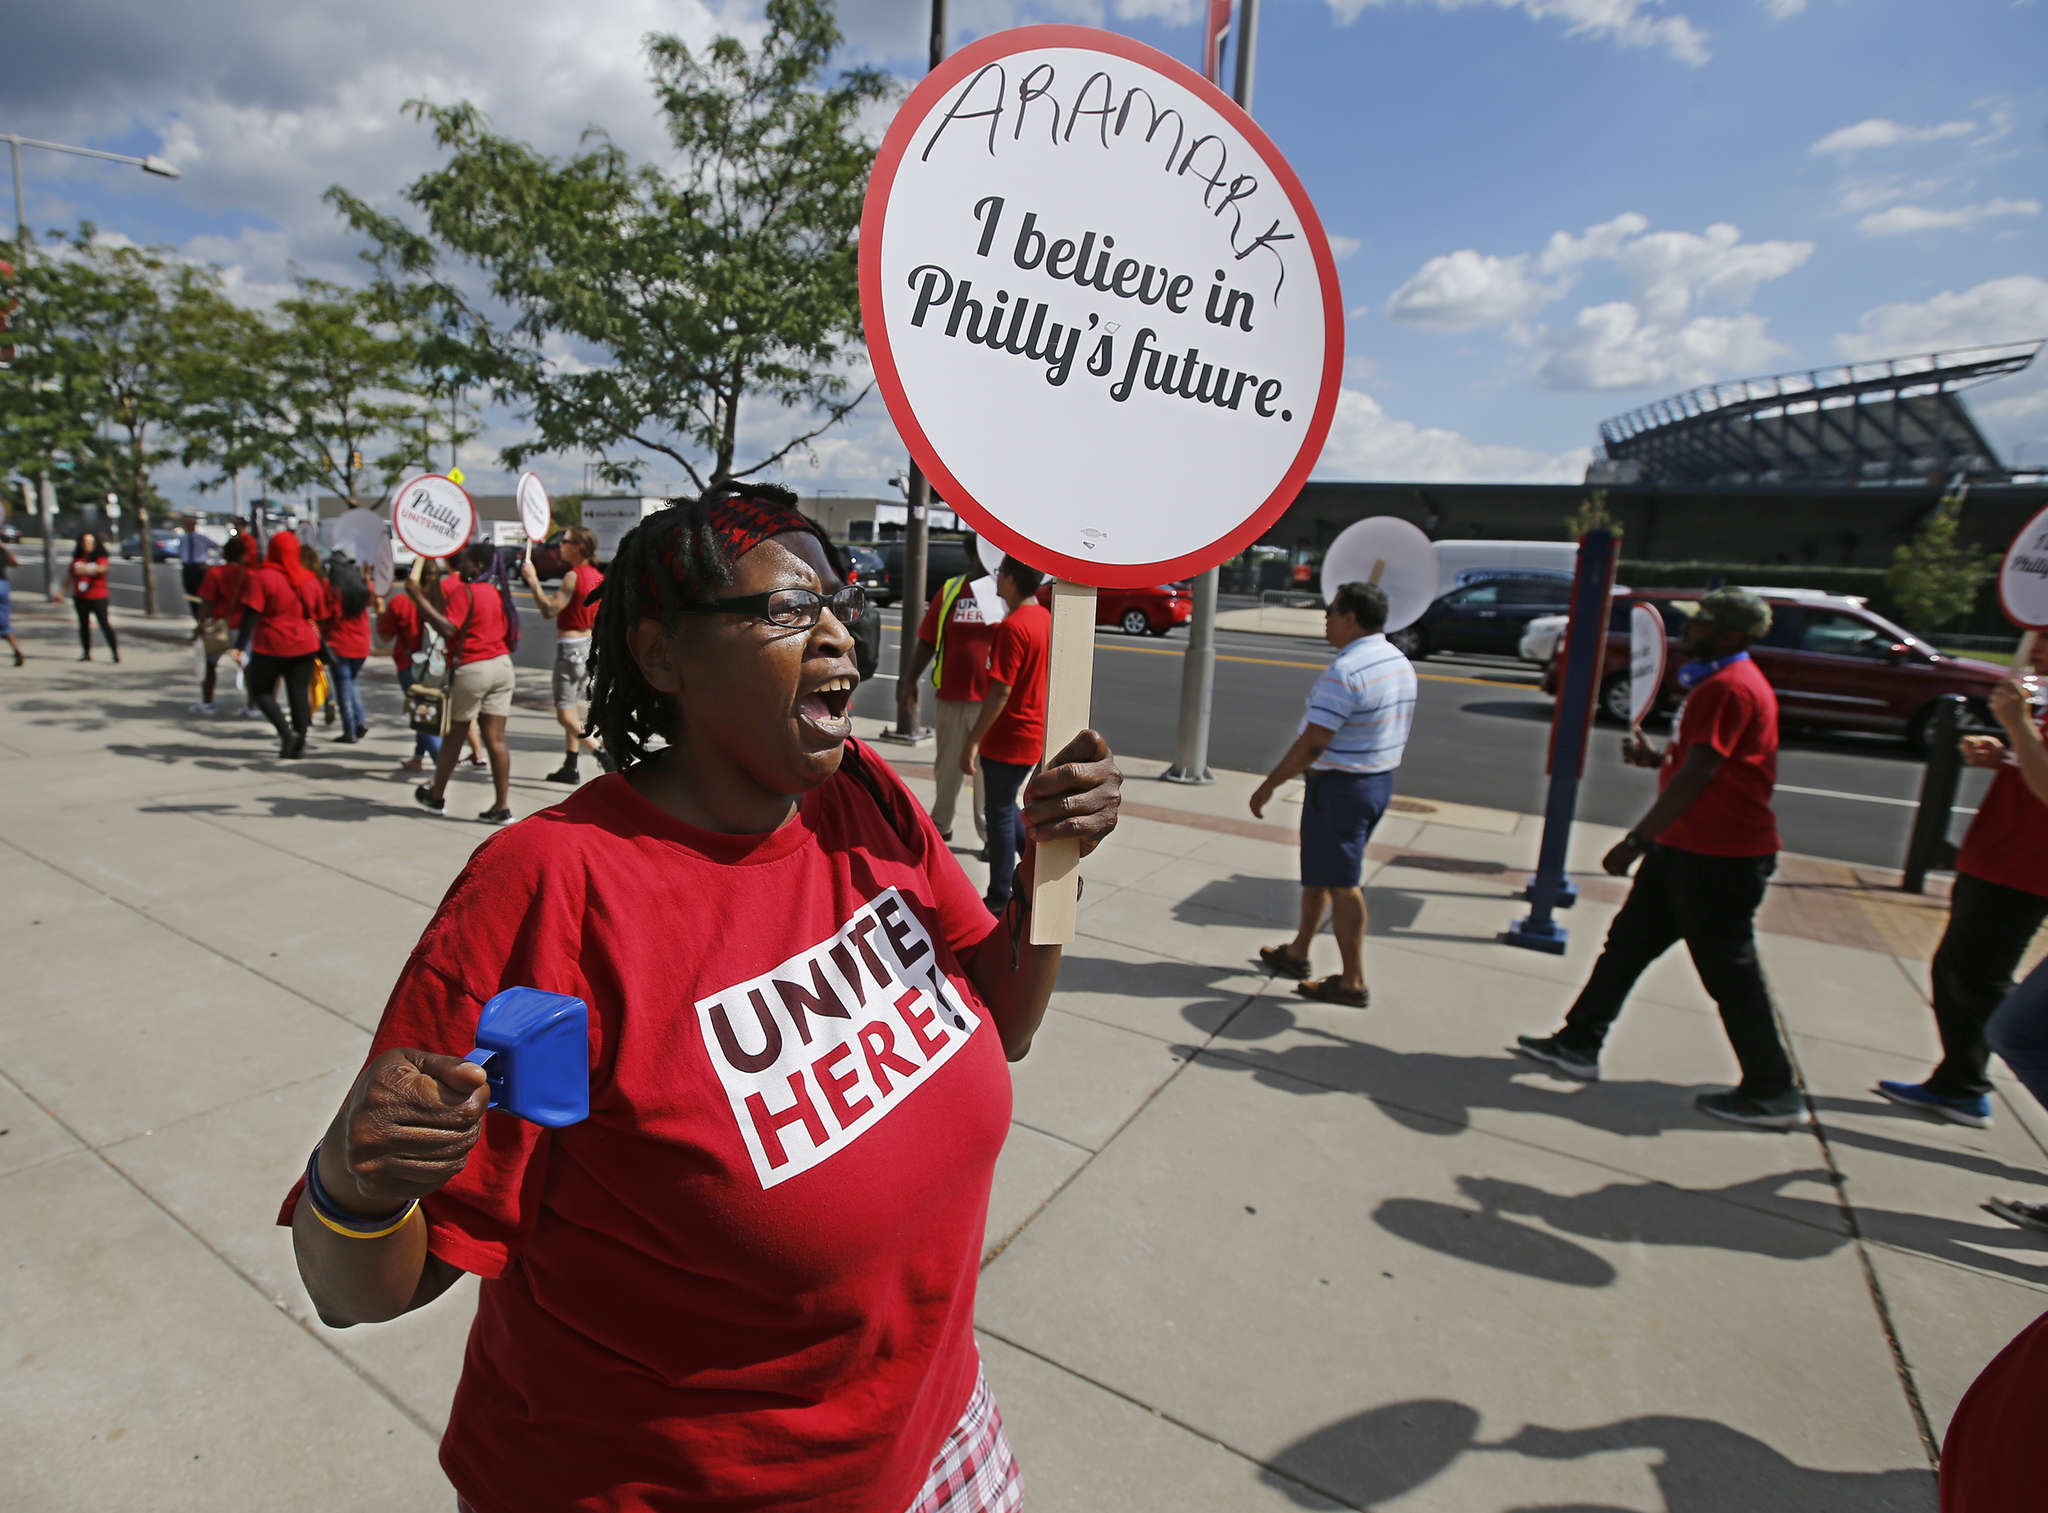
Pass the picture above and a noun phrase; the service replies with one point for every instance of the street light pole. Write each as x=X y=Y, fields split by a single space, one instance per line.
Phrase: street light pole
x=1198 y=668
x=163 y=170
x=917 y=501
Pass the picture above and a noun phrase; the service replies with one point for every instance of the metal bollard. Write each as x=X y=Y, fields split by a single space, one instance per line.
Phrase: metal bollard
x=1930 y=849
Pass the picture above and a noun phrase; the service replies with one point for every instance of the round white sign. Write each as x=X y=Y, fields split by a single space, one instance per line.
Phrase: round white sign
x=383 y=570
x=1388 y=551
x=535 y=514
x=432 y=516
x=2023 y=580
x=1646 y=650
x=1102 y=312
x=989 y=554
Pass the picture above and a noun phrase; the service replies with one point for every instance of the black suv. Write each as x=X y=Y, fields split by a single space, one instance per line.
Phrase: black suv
x=1487 y=616
x=945 y=557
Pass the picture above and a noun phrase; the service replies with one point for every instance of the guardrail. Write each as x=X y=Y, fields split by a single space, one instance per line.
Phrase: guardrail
x=1291 y=612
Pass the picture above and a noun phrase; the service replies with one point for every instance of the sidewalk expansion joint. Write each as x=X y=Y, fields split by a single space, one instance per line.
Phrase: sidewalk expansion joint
x=251 y=1282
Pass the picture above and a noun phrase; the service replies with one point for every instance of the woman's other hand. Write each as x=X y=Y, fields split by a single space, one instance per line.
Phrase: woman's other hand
x=1075 y=796
x=404 y=1131
x=1983 y=751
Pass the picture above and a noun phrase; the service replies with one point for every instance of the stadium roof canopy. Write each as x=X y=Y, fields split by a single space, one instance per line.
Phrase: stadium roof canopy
x=1901 y=418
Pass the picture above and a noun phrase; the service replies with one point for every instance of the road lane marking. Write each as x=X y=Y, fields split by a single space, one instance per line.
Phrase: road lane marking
x=1429 y=677
x=1862 y=798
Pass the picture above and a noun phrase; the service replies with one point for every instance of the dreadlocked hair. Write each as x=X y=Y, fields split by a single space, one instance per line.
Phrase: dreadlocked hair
x=684 y=553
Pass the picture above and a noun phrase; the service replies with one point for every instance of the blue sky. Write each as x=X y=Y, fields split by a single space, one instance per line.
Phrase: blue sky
x=1548 y=211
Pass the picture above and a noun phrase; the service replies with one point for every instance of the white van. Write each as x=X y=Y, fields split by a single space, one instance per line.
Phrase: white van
x=1462 y=562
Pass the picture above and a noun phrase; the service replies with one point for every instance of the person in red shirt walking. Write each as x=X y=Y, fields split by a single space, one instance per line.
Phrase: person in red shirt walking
x=574 y=614
x=1009 y=733
x=346 y=628
x=89 y=594
x=1708 y=847
x=953 y=641
x=479 y=650
x=398 y=621
x=219 y=599
x=1997 y=907
x=281 y=607
x=746 y=1281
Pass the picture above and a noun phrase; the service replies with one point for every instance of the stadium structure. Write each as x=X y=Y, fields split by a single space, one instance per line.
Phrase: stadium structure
x=1831 y=467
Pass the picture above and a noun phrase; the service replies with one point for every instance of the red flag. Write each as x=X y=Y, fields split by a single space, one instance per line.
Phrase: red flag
x=1212 y=40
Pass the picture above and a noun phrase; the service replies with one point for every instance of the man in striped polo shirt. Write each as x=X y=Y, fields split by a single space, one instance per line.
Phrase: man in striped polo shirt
x=1349 y=744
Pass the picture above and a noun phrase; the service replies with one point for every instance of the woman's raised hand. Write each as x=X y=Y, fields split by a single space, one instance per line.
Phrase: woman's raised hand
x=404 y=1130
x=1075 y=795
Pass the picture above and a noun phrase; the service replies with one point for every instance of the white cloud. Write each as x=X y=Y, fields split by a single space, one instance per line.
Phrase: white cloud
x=1342 y=247
x=1626 y=23
x=1659 y=335
x=1904 y=220
x=1365 y=442
x=1860 y=196
x=1877 y=132
x=1784 y=10
x=2000 y=310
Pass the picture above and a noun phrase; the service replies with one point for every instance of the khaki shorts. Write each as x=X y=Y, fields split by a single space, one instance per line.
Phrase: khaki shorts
x=481 y=688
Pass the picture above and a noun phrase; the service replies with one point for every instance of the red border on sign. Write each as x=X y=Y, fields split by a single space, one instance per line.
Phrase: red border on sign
x=2039 y=522
x=468 y=535
x=909 y=120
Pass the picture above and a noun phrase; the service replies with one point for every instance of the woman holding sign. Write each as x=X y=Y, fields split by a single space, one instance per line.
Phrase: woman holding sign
x=747 y=1279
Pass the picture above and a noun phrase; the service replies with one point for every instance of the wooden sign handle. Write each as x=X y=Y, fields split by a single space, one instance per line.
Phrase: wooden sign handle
x=1070 y=683
x=1379 y=567
x=2023 y=658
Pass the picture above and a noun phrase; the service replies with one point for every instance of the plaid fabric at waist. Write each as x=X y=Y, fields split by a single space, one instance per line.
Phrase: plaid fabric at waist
x=974 y=1471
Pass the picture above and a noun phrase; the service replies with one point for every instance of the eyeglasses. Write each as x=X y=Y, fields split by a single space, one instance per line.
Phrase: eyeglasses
x=789 y=608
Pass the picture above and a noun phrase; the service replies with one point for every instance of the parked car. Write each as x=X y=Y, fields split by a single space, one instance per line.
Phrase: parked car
x=1544 y=634
x=10 y=533
x=1836 y=665
x=163 y=543
x=945 y=557
x=865 y=563
x=1149 y=611
x=1487 y=616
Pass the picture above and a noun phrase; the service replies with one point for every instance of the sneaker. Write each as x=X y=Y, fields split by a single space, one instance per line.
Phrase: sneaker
x=294 y=747
x=495 y=817
x=564 y=774
x=425 y=795
x=1548 y=1050
x=251 y=712
x=206 y=711
x=1787 y=1111
x=1975 y=1112
x=2032 y=1216
x=604 y=761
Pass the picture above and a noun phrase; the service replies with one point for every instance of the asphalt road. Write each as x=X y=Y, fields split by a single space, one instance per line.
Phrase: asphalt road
x=1481 y=730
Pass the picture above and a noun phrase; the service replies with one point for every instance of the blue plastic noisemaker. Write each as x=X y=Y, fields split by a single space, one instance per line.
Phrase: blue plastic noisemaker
x=535 y=1049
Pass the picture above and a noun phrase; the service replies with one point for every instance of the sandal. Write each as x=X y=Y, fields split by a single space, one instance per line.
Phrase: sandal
x=1284 y=962
x=1330 y=990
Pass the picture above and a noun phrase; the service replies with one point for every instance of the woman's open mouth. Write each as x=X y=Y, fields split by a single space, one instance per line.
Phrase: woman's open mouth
x=825 y=708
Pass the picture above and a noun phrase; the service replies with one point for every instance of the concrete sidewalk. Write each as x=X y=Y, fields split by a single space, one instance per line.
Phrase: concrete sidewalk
x=1245 y=1252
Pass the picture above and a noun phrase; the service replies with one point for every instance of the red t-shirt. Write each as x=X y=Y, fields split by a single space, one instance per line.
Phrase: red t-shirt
x=347 y=635
x=287 y=627
x=2007 y=843
x=221 y=592
x=1991 y=1457
x=88 y=585
x=477 y=611
x=1735 y=712
x=579 y=614
x=400 y=625
x=747 y=1280
x=1018 y=655
x=962 y=673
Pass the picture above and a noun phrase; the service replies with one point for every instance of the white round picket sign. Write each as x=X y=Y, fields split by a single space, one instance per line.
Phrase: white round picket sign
x=1102 y=312
x=1388 y=551
x=433 y=516
x=2023 y=579
x=383 y=570
x=1646 y=649
x=535 y=513
x=990 y=555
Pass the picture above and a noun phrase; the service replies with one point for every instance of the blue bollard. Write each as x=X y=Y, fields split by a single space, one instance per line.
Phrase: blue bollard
x=535 y=1048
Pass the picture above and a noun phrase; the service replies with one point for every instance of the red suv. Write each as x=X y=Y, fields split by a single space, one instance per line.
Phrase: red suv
x=1139 y=611
x=1835 y=665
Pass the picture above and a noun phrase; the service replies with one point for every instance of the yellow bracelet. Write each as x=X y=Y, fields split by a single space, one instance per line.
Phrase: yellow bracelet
x=362 y=1234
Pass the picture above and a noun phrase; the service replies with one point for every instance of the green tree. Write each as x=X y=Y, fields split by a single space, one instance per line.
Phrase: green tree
x=1934 y=578
x=727 y=282
x=1592 y=514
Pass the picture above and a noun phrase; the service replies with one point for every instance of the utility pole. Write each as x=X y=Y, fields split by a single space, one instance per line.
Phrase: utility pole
x=917 y=501
x=1198 y=668
x=44 y=490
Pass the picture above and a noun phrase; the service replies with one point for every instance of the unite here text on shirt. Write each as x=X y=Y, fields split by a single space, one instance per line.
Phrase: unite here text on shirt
x=1366 y=696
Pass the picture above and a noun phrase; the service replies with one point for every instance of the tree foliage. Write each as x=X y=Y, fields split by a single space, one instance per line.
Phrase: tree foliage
x=1934 y=578
x=640 y=309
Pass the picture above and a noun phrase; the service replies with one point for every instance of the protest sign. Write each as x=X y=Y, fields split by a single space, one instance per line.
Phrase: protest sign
x=1104 y=318
x=1646 y=650
x=1392 y=554
x=432 y=516
x=2023 y=586
x=535 y=513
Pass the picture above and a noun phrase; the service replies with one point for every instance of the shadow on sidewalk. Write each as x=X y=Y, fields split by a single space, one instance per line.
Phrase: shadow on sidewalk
x=1277 y=901
x=308 y=806
x=1196 y=988
x=1374 y=1457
